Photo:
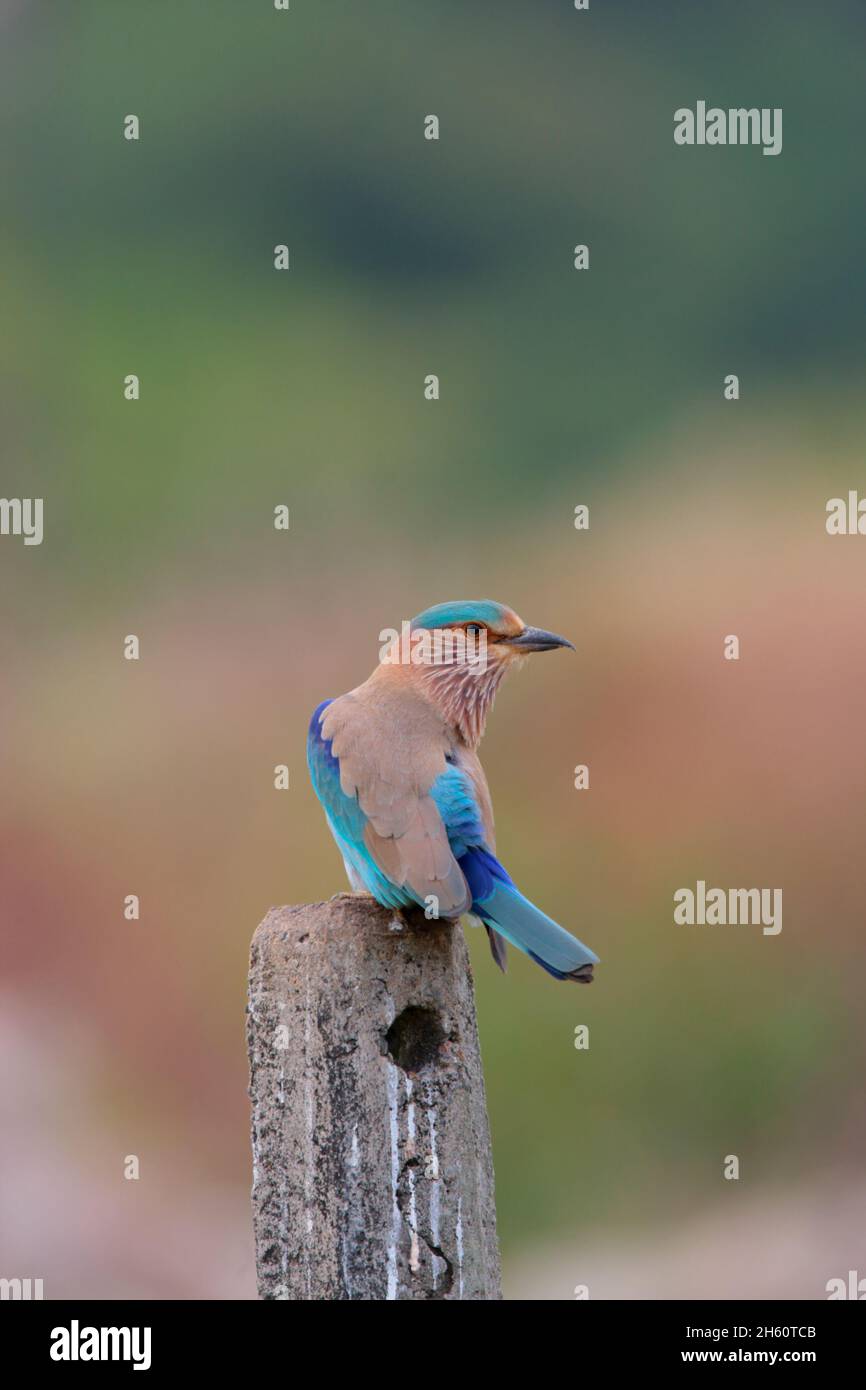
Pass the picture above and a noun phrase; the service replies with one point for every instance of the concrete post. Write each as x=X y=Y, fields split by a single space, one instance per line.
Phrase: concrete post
x=372 y=1170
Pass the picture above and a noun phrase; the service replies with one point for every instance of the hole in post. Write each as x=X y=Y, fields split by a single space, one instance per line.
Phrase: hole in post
x=414 y=1038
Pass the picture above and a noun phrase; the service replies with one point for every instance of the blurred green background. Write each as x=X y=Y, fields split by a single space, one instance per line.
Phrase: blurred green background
x=557 y=387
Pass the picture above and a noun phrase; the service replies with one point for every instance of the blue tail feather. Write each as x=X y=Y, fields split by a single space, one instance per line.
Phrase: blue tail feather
x=500 y=905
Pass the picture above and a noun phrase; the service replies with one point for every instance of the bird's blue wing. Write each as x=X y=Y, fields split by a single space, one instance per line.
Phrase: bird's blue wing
x=495 y=897
x=342 y=811
x=454 y=795
x=346 y=818
x=496 y=900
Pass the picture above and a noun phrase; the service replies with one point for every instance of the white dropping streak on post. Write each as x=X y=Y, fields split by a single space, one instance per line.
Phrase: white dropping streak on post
x=414 y=1251
x=309 y=1163
x=434 y=1182
x=395 y=1170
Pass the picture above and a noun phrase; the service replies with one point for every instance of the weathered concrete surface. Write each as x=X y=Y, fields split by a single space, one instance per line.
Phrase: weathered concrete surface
x=372 y=1172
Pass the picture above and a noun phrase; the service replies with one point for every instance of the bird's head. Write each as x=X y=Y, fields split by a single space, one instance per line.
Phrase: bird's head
x=463 y=651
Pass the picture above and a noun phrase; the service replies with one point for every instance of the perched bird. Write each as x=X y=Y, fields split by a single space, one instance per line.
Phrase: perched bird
x=395 y=766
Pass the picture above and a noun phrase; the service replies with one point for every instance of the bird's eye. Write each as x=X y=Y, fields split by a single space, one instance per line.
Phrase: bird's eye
x=474 y=628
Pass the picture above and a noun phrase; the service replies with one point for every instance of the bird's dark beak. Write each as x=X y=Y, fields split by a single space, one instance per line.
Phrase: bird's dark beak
x=535 y=639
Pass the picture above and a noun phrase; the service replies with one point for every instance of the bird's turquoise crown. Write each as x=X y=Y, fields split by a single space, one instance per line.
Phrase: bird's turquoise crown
x=482 y=610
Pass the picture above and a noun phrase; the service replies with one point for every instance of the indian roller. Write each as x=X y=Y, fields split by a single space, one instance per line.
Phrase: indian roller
x=395 y=765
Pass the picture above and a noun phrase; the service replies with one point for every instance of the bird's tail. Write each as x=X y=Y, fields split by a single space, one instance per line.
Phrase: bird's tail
x=504 y=910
